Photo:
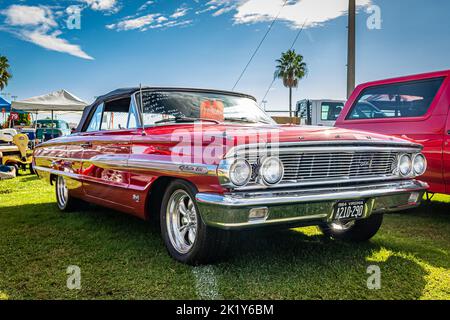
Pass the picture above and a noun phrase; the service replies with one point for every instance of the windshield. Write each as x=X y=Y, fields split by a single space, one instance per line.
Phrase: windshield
x=199 y=105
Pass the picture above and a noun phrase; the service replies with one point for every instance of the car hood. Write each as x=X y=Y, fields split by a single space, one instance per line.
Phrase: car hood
x=216 y=140
x=239 y=134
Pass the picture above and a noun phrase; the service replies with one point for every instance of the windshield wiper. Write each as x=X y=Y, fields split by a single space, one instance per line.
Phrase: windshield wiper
x=185 y=120
x=243 y=119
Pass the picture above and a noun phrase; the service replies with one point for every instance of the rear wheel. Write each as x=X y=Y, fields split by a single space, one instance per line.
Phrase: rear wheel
x=185 y=235
x=354 y=231
x=64 y=200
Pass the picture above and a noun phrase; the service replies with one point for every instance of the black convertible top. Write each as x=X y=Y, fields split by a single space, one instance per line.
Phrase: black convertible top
x=126 y=92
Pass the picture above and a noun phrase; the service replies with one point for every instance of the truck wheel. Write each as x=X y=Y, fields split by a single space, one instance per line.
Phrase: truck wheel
x=64 y=200
x=185 y=235
x=354 y=231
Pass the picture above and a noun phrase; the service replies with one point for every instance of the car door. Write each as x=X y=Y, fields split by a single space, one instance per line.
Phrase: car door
x=446 y=154
x=105 y=155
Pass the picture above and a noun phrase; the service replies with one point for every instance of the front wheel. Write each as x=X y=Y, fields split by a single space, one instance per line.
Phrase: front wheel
x=185 y=235
x=354 y=231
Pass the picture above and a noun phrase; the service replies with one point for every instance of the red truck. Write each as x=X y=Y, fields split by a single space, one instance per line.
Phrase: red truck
x=414 y=107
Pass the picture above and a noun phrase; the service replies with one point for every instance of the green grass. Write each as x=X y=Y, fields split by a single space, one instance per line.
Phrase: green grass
x=122 y=257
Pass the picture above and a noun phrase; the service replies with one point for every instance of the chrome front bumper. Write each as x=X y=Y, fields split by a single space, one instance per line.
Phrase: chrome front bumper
x=302 y=207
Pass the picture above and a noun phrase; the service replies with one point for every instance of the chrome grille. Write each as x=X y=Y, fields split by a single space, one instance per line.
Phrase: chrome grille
x=314 y=166
x=334 y=166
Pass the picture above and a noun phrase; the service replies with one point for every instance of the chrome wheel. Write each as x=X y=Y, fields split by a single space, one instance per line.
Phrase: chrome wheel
x=62 y=193
x=181 y=221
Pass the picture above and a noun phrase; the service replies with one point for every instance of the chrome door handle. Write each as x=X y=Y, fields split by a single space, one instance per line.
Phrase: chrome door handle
x=86 y=145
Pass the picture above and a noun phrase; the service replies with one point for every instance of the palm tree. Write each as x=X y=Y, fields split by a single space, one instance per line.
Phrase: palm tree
x=291 y=69
x=4 y=73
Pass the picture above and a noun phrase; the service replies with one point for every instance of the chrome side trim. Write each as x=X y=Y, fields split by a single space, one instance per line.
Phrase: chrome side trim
x=194 y=168
x=58 y=158
x=57 y=172
x=109 y=161
x=124 y=163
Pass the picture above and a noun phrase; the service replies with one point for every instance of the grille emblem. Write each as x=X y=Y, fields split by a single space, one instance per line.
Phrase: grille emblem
x=366 y=164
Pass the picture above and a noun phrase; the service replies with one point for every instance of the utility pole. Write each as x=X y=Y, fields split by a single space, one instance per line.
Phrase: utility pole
x=351 y=47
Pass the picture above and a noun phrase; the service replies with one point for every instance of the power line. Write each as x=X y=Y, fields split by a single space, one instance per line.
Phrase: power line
x=259 y=46
x=292 y=46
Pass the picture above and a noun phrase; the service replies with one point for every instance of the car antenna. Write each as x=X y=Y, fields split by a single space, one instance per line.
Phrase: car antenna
x=142 y=109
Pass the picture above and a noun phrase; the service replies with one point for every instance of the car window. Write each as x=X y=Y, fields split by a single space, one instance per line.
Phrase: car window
x=330 y=111
x=96 y=119
x=397 y=100
x=115 y=114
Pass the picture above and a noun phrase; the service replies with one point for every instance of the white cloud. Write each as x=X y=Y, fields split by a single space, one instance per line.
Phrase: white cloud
x=20 y=15
x=222 y=11
x=102 y=5
x=221 y=6
x=161 y=19
x=135 y=23
x=296 y=12
x=34 y=24
x=210 y=8
x=153 y=20
x=173 y=23
x=146 y=5
x=180 y=12
x=54 y=43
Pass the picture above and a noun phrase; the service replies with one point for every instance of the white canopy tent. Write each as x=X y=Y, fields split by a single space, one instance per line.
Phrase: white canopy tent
x=56 y=101
x=61 y=100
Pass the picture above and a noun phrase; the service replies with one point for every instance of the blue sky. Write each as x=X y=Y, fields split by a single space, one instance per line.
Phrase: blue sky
x=206 y=43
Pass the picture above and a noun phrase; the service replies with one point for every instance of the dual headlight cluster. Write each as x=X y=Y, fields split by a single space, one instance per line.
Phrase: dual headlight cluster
x=269 y=172
x=412 y=165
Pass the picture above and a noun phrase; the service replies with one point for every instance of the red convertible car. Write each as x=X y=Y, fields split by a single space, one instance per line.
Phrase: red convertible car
x=207 y=162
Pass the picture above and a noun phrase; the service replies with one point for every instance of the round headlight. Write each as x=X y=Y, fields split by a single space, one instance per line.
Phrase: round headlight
x=419 y=164
x=240 y=172
x=405 y=165
x=272 y=170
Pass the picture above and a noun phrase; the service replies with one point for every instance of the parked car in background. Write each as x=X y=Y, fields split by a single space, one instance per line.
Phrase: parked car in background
x=319 y=112
x=50 y=129
x=207 y=162
x=415 y=107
